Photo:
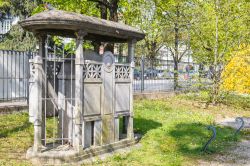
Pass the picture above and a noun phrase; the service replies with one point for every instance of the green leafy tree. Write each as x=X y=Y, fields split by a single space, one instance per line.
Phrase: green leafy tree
x=23 y=8
x=4 y=7
x=106 y=9
x=17 y=38
x=175 y=20
x=220 y=27
x=142 y=14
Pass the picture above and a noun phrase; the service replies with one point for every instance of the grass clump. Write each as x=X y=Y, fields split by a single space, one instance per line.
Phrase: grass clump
x=229 y=99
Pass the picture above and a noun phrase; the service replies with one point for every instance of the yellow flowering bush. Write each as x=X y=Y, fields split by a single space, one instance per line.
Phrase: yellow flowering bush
x=236 y=75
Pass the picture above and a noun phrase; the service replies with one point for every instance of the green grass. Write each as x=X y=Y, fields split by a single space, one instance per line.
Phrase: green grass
x=16 y=137
x=173 y=133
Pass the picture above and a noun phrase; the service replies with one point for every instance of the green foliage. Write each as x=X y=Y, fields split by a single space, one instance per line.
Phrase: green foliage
x=233 y=29
x=219 y=28
x=4 y=6
x=23 y=8
x=142 y=14
x=175 y=15
x=79 y=6
x=70 y=47
x=19 y=40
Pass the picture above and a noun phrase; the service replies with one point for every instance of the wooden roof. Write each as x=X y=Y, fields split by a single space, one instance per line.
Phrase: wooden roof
x=64 y=23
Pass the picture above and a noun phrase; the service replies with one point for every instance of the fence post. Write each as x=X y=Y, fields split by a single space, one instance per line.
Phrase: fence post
x=142 y=73
x=79 y=62
x=36 y=96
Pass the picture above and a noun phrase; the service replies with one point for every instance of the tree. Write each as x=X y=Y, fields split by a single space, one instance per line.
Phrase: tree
x=19 y=40
x=108 y=5
x=142 y=14
x=176 y=21
x=220 y=27
x=19 y=8
x=4 y=6
x=98 y=8
x=80 y=6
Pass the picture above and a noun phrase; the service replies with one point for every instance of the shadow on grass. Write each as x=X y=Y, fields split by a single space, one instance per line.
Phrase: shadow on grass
x=191 y=137
x=142 y=125
x=5 y=132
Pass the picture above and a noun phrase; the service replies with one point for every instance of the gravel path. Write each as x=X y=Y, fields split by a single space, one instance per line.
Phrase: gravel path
x=238 y=156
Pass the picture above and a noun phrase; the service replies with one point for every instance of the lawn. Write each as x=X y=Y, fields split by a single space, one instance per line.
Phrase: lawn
x=173 y=133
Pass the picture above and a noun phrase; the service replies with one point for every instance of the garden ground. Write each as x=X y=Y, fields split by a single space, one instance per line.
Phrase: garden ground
x=173 y=133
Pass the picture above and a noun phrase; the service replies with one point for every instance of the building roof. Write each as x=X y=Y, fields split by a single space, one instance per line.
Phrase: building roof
x=64 y=23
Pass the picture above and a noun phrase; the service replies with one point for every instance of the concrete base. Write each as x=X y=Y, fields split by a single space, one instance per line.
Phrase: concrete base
x=64 y=154
x=11 y=107
x=154 y=95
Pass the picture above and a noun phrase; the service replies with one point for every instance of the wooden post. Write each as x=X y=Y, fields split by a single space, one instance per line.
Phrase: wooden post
x=79 y=62
x=131 y=53
x=36 y=97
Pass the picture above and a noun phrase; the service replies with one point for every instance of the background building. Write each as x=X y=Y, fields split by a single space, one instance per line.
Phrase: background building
x=186 y=60
x=6 y=22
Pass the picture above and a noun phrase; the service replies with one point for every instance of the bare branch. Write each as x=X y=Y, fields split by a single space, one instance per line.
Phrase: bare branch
x=159 y=48
x=172 y=52
x=184 y=52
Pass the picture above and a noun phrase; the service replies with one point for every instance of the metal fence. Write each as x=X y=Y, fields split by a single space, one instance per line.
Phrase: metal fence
x=158 y=75
x=149 y=75
x=14 y=74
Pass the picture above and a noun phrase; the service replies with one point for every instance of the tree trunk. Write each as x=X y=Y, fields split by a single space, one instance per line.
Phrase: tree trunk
x=112 y=6
x=176 y=75
x=176 y=49
x=216 y=77
x=104 y=15
x=113 y=10
x=104 y=10
x=113 y=16
x=200 y=70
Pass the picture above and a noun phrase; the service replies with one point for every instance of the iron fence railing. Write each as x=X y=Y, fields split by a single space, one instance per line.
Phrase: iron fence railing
x=158 y=75
x=149 y=75
x=14 y=75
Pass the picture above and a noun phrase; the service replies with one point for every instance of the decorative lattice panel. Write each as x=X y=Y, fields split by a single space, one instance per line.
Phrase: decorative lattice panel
x=92 y=71
x=122 y=72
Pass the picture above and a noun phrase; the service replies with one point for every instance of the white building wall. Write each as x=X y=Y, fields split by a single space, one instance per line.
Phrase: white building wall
x=165 y=54
x=7 y=23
